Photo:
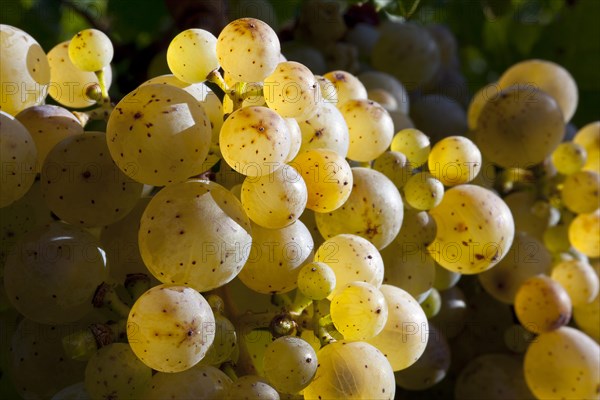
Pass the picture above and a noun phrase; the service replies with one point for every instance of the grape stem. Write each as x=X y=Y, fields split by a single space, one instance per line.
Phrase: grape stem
x=107 y=297
x=238 y=93
x=103 y=88
x=82 y=344
x=227 y=368
x=136 y=285
x=321 y=330
x=297 y=307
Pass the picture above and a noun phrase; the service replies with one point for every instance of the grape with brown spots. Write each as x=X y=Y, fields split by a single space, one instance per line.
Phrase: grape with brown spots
x=414 y=144
x=91 y=50
x=347 y=86
x=290 y=364
x=202 y=382
x=292 y=91
x=327 y=129
x=192 y=55
x=578 y=279
x=316 y=280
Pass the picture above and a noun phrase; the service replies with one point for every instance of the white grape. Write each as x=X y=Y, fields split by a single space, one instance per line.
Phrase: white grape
x=91 y=50
x=192 y=54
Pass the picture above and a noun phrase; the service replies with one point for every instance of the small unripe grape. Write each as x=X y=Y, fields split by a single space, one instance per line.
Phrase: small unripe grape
x=290 y=364
x=423 y=192
x=316 y=280
x=432 y=304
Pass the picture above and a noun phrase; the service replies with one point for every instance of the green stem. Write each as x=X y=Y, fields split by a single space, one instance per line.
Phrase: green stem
x=106 y=296
x=227 y=368
x=321 y=332
x=81 y=345
x=103 y=88
x=299 y=304
x=281 y=300
x=137 y=285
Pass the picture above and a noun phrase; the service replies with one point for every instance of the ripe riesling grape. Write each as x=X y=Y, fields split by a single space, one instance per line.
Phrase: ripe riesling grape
x=91 y=50
x=192 y=55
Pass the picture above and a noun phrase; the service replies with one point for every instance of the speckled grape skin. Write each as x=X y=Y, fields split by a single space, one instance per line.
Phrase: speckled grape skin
x=520 y=128
x=395 y=166
x=475 y=230
x=579 y=280
x=152 y=119
x=203 y=382
x=370 y=129
x=347 y=86
x=589 y=138
x=91 y=50
x=327 y=129
x=423 y=192
x=542 y=304
x=581 y=192
x=564 y=363
x=587 y=318
x=254 y=141
x=83 y=186
x=569 y=157
x=250 y=387
x=170 y=328
x=316 y=280
x=248 y=50
x=192 y=55
x=290 y=364
x=454 y=160
x=414 y=144
x=295 y=138
x=292 y=91
x=351 y=370
x=195 y=233
x=584 y=233
x=374 y=210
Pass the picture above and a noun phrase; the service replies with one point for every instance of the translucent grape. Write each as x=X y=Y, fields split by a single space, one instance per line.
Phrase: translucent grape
x=151 y=119
x=316 y=280
x=224 y=343
x=578 y=279
x=24 y=73
x=370 y=129
x=352 y=258
x=347 y=86
x=542 y=304
x=423 y=192
x=405 y=335
x=365 y=373
x=395 y=166
x=295 y=135
x=327 y=129
x=432 y=304
x=475 y=230
x=19 y=154
x=83 y=186
x=276 y=257
x=587 y=318
x=275 y=200
x=195 y=233
x=53 y=273
x=192 y=54
x=584 y=233
x=170 y=328
x=202 y=382
x=328 y=178
x=589 y=138
x=48 y=125
x=408 y=266
x=452 y=318
x=520 y=128
x=480 y=98
x=454 y=160
x=547 y=76
x=569 y=157
x=248 y=49
x=581 y=192
x=91 y=50
x=292 y=91
x=413 y=144
x=250 y=387
x=115 y=372
x=290 y=364
x=374 y=210
x=381 y=80
x=564 y=363
x=254 y=141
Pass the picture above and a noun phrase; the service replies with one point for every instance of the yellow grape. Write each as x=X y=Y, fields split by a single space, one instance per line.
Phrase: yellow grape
x=252 y=387
x=224 y=343
x=587 y=318
x=480 y=98
x=475 y=230
x=579 y=279
x=454 y=160
x=347 y=86
x=292 y=91
x=444 y=278
x=91 y=50
x=581 y=192
x=395 y=166
x=316 y=280
x=432 y=304
x=295 y=138
x=584 y=233
x=327 y=129
x=290 y=364
x=589 y=138
x=569 y=157
x=413 y=144
x=423 y=192
x=556 y=238
x=542 y=304
x=192 y=55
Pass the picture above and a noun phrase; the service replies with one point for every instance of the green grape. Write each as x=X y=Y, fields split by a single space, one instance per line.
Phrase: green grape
x=383 y=98
x=19 y=154
x=444 y=278
x=290 y=364
x=48 y=125
x=248 y=50
x=224 y=344
x=370 y=129
x=295 y=135
x=276 y=257
x=328 y=178
x=432 y=304
x=254 y=141
x=556 y=238
x=359 y=311
x=68 y=84
x=423 y=192
x=347 y=86
x=520 y=128
x=407 y=51
x=374 y=210
x=328 y=90
x=75 y=391
x=487 y=93
x=569 y=157
x=542 y=304
x=275 y=200
x=587 y=318
x=24 y=72
x=493 y=377
x=589 y=138
x=581 y=192
x=430 y=368
x=405 y=335
x=351 y=370
x=409 y=267
x=250 y=387
x=564 y=363
x=151 y=119
x=200 y=382
x=395 y=166
x=522 y=204
x=53 y=273
x=39 y=366
x=584 y=233
x=454 y=160
x=82 y=185
x=170 y=328
x=452 y=317
x=316 y=280
x=413 y=144
x=91 y=50
x=114 y=372
x=381 y=80
x=352 y=258
x=578 y=279
x=475 y=230
x=327 y=129
x=292 y=91
x=527 y=257
x=401 y=121
x=454 y=122
x=547 y=76
x=195 y=233
x=517 y=338
x=192 y=55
